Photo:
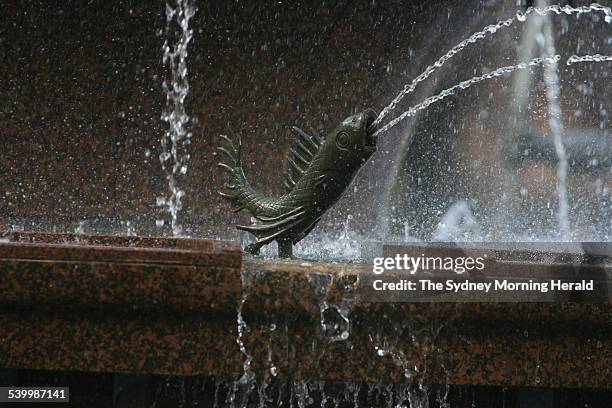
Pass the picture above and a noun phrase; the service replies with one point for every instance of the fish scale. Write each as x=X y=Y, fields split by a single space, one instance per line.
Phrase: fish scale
x=318 y=172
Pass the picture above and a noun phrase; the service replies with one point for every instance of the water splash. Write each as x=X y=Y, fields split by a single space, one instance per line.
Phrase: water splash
x=489 y=30
x=271 y=366
x=354 y=388
x=387 y=343
x=176 y=139
x=418 y=396
x=345 y=245
x=398 y=357
x=546 y=43
x=80 y=229
x=588 y=58
x=300 y=393
x=218 y=384
x=243 y=387
x=458 y=224
x=262 y=393
x=130 y=230
x=242 y=328
x=335 y=320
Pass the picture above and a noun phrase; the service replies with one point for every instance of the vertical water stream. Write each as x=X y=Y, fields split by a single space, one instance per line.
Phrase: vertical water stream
x=546 y=42
x=174 y=156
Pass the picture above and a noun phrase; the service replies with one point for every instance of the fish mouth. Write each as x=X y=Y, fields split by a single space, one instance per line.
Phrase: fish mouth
x=370 y=138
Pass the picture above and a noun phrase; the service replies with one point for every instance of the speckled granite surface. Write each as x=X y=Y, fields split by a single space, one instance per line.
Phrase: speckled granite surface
x=133 y=273
x=137 y=315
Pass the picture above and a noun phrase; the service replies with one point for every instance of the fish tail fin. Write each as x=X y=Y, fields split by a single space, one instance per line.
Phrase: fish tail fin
x=237 y=188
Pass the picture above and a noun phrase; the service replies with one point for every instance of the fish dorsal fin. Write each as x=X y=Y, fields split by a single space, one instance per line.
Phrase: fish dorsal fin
x=300 y=156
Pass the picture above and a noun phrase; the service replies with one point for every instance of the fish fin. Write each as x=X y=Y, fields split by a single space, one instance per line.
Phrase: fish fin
x=272 y=227
x=289 y=184
x=309 y=140
x=287 y=214
x=289 y=181
x=320 y=179
x=300 y=157
x=231 y=147
x=316 y=138
x=278 y=223
x=295 y=168
x=273 y=234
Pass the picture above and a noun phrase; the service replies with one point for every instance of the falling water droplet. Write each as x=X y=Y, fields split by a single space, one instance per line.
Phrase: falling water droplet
x=176 y=137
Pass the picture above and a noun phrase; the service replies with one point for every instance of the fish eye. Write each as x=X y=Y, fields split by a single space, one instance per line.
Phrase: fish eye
x=342 y=140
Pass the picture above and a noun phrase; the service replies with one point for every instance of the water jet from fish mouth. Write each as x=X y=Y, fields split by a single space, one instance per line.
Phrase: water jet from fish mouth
x=498 y=72
x=490 y=29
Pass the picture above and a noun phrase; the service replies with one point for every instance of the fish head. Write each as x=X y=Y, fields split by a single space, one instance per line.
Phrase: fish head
x=353 y=140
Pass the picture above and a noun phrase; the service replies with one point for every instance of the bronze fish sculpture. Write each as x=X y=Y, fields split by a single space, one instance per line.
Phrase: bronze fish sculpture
x=319 y=172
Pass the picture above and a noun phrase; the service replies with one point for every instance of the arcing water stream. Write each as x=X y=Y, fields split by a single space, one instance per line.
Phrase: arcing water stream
x=174 y=156
x=588 y=58
x=489 y=30
x=491 y=75
x=463 y=85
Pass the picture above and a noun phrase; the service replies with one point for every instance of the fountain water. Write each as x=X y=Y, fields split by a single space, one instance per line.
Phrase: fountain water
x=174 y=157
x=588 y=58
x=241 y=388
x=546 y=43
x=550 y=62
x=488 y=30
x=458 y=224
x=464 y=85
x=552 y=59
x=405 y=140
x=335 y=317
x=549 y=58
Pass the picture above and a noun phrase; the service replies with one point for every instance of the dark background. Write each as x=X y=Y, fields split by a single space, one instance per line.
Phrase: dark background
x=81 y=99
